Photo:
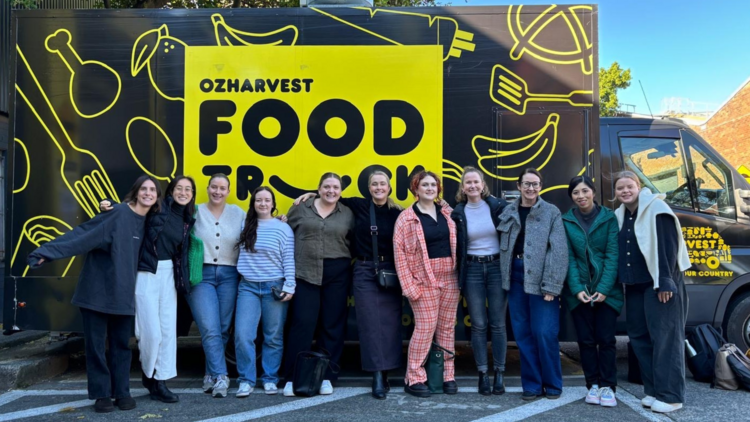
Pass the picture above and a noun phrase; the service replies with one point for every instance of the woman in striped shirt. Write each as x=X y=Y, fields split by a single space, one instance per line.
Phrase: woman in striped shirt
x=266 y=264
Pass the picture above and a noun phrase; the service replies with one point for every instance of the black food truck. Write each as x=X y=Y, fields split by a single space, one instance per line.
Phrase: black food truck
x=279 y=96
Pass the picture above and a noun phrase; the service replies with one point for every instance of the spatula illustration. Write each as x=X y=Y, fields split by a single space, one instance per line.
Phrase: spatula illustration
x=512 y=92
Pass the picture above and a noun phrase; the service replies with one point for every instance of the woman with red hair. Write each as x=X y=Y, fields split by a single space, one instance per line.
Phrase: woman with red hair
x=425 y=253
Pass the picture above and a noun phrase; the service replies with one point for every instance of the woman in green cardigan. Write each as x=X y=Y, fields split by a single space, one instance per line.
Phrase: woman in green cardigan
x=593 y=297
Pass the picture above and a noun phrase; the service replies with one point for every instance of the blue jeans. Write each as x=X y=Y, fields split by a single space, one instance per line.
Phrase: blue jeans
x=255 y=302
x=536 y=324
x=212 y=302
x=485 y=295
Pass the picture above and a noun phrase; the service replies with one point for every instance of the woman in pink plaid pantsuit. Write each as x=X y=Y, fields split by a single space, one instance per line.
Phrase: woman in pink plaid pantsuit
x=425 y=252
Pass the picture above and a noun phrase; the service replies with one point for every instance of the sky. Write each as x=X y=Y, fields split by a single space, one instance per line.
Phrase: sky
x=697 y=50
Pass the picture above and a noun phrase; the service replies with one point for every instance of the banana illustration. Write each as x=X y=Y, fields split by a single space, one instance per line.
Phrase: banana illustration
x=540 y=144
x=226 y=35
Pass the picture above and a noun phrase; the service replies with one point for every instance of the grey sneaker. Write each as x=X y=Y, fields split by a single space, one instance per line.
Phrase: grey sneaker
x=221 y=386
x=270 y=388
x=208 y=384
x=244 y=390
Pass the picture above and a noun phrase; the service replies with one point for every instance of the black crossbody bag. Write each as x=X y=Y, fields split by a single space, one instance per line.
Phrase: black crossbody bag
x=387 y=279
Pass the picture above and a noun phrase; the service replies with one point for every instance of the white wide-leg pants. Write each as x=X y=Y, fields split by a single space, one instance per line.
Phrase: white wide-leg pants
x=156 y=321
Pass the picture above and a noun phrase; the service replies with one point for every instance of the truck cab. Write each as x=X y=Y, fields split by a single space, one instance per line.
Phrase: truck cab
x=712 y=202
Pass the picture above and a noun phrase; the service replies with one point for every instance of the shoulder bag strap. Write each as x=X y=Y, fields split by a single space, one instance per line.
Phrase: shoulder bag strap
x=374 y=233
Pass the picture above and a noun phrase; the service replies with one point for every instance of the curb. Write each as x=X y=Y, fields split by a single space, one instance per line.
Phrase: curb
x=38 y=363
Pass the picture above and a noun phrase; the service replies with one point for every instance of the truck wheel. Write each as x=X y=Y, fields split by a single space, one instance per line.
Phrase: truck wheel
x=738 y=324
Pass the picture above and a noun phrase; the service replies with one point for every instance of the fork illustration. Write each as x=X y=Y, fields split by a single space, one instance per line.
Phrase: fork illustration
x=88 y=189
x=512 y=92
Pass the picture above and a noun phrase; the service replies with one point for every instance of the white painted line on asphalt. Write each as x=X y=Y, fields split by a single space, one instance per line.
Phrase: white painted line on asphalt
x=9 y=397
x=634 y=403
x=459 y=378
x=338 y=394
x=569 y=395
x=46 y=410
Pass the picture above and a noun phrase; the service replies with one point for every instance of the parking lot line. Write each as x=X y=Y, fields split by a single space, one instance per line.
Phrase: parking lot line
x=569 y=395
x=633 y=402
x=45 y=410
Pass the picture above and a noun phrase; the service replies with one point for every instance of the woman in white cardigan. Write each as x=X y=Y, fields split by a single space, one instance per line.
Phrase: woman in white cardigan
x=651 y=261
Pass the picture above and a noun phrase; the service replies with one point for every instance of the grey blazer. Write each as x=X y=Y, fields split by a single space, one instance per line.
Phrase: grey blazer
x=545 y=252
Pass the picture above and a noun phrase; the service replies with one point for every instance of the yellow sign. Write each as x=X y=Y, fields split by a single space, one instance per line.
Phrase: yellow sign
x=284 y=115
x=707 y=247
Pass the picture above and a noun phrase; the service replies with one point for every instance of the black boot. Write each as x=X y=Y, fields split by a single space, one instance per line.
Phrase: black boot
x=378 y=387
x=484 y=384
x=147 y=382
x=385 y=382
x=162 y=393
x=498 y=387
x=419 y=389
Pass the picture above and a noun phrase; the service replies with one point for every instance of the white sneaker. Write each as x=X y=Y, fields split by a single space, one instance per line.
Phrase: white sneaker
x=326 y=388
x=208 y=384
x=607 y=397
x=244 y=390
x=221 y=386
x=661 y=407
x=288 y=390
x=593 y=395
x=648 y=401
x=270 y=388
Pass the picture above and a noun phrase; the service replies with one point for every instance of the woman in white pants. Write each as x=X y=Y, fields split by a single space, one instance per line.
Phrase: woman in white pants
x=162 y=274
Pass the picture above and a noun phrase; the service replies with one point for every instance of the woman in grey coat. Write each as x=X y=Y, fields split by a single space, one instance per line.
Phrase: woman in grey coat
x=534 y=263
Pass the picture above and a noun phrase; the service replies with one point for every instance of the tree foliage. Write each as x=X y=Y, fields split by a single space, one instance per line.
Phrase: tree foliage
x=611 y=80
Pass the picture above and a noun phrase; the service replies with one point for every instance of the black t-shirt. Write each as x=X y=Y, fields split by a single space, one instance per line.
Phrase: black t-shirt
x=523 y=212
x=436 y=233
x=170 y=237
x=385 y=219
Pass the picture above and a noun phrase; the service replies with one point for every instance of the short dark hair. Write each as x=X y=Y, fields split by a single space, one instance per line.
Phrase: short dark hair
x=132 y=195
x=574 y=182
x=530 y=170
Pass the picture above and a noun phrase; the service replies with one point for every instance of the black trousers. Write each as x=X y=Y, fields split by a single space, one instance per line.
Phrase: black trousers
x=595 y=327
x=107 y=353
x=319 y=307
x=657 y=334
x=378 y=319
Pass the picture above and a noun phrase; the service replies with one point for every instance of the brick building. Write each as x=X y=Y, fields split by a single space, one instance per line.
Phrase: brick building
x=728 y=129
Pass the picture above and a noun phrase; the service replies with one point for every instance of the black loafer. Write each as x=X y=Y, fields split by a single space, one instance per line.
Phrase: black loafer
x=529 y=396
x=125 y=403
x=498 y=387
x=162 y=393
x=552 y=396
x=450 y=387
x=484 y=384
x=104 y=406
x=418 y=390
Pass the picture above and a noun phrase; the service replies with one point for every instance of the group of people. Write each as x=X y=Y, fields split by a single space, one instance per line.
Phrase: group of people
x=293 y=273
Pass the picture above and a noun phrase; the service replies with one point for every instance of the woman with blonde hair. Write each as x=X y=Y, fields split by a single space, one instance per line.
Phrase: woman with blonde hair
x=378 y=308
x=651 y=261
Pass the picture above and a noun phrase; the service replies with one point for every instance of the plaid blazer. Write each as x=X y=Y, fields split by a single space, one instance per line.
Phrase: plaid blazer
x=410 y=252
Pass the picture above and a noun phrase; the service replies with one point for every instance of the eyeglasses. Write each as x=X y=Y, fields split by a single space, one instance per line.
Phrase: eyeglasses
x=534 y=185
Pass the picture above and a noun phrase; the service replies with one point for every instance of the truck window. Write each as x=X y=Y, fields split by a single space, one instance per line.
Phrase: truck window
x=712 y=179
x=660 y=164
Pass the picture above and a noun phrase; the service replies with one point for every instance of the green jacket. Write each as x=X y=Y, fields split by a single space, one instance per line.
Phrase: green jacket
x=598 y=249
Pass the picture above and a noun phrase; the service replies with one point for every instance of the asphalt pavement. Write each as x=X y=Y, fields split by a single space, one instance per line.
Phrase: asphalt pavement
x=64 y=398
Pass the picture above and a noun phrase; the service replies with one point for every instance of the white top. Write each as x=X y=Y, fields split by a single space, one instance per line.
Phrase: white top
x=273 y=258
x=219 y=236
x=481 y=232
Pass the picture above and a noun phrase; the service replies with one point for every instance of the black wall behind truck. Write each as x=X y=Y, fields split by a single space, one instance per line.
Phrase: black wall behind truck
x=278 y=96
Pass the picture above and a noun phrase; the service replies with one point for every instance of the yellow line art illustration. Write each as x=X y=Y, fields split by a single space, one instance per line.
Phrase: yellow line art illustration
x=227 y=35
x=511 y=91
x=448 y=176
x=59 y=43
x=580 y=173
x=72 y=162
x=171 y=175
x=451 y=163
x=489 y=149
x=144 y=48
x=460 y=42
x=39 y=230
x=744 y=172
x=28 y=165
x=524 y=38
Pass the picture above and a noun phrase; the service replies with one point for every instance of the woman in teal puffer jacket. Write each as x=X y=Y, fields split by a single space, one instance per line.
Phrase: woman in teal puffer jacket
x=592 y=295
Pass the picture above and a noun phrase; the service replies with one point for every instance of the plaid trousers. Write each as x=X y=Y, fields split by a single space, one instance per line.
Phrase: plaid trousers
x=434 y=316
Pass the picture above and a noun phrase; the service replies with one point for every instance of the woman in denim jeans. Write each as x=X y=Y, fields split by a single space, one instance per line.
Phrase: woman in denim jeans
x=478 y=257
x=212 y=300
x=266 y=264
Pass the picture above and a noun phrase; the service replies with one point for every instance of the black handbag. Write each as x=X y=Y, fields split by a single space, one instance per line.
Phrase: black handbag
x=434 y=366
x=309 y=372
x=387 y=279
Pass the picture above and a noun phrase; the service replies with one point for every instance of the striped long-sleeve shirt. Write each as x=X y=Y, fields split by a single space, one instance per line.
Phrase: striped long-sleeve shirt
x=274 y=256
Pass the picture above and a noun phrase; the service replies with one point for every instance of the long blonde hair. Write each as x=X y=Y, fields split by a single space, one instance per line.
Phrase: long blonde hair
x=391 y=203
x=460 y=195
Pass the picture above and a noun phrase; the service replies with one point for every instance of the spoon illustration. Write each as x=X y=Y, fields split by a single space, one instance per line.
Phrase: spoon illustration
x=94 y=86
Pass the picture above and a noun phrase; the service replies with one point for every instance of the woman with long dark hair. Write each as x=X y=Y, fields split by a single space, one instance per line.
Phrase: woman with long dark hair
x=266 y=264
x=106 y=288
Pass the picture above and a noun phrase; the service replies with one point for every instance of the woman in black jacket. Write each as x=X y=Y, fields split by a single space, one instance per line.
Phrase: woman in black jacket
x=478 y=257
x=106 y=289
x=162 y=274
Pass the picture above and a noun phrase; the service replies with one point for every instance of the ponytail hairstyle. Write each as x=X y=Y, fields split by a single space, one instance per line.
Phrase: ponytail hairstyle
x=391 y=203
x=249 y=233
